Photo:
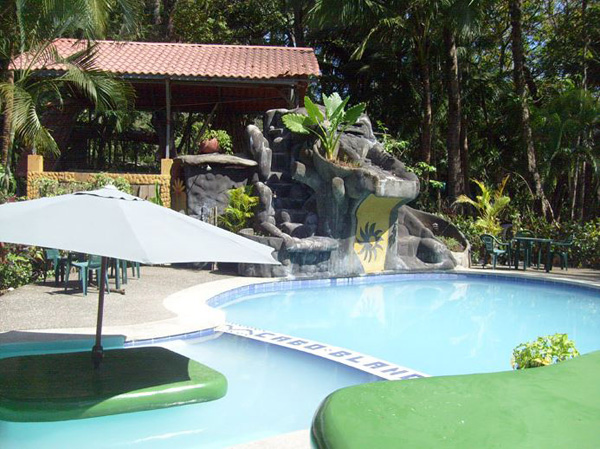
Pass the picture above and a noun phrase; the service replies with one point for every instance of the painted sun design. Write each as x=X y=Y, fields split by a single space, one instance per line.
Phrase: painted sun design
x=370 y=239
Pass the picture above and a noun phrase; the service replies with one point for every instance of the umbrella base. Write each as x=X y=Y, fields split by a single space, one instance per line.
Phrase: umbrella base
x=58 y=387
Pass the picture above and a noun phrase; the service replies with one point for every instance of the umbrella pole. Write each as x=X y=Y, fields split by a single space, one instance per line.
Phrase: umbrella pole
x=97 y=351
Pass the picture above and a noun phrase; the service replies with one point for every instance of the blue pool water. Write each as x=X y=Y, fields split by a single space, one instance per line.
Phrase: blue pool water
x=434 y=326
x=271 y=390
x=438 y=326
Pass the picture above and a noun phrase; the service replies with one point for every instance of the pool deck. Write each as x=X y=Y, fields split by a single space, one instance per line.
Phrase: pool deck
x=164 y=301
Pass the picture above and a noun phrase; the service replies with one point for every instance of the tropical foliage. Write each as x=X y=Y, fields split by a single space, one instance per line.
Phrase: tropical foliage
x=544 y=351
x=490 y=204
x=469 y=88
x=28 y=28
x=51 y=187
x=240 y=209
x=328 y=126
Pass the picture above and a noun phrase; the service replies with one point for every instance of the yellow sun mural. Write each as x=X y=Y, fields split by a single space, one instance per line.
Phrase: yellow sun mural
x=372 y=231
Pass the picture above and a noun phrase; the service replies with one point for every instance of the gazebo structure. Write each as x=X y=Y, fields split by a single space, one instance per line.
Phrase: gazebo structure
x=220 y=80
x=175 y=77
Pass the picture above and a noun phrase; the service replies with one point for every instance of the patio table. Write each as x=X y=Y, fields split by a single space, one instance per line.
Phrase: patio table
x=533 y=240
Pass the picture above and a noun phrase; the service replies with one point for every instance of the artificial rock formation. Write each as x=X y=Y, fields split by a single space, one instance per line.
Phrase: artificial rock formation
x=336 y=218
x=208 y=179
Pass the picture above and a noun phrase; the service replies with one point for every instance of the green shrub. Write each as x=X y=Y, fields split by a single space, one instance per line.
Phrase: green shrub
x=50 y=187
x=240 y=209
x=156 y=199
x=19 y=265
x=585 y=251
x=467 y=226
x=8 y=183
x=102 y=179
x=543 y=351
x=451 y=243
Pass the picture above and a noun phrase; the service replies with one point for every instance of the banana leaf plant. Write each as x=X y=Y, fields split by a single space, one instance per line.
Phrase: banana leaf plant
x=328 y=127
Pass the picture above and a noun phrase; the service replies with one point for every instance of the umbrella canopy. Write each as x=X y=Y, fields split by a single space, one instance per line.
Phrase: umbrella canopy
x=108 y=222
x=111 y=223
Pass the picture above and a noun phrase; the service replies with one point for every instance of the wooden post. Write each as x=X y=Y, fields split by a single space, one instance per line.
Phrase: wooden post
x=168 y=108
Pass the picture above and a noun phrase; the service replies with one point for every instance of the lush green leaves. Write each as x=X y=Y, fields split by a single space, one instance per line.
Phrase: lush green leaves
x=240 y=209
x=490 y=204
x=327 y=127
x=297 y=123
x=544 y=351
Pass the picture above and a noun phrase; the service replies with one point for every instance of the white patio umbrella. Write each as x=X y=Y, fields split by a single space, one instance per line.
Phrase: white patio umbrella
x=111 y=223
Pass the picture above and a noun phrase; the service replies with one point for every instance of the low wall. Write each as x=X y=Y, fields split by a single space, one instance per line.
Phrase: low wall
x=35 y=171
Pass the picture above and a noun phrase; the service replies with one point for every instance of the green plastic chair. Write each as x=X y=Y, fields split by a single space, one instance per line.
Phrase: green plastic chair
x=492 y=248
x=92 y=265
x=561 y=249
x=525 y=247
x=118 y=269
x=58 y=263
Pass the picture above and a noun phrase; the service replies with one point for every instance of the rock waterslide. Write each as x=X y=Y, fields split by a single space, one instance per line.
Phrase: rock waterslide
x=336 y=218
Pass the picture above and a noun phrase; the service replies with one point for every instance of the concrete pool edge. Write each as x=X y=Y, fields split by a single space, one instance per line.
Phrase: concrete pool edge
x=197 y=316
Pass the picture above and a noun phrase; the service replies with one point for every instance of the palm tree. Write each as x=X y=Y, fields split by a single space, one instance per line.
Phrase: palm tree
x=460 y=19
x=489 y=204
x=29 y=27
x=515 y=7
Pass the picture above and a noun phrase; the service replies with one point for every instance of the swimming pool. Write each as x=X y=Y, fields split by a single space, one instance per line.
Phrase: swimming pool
x=459 y=327
x=434 y=323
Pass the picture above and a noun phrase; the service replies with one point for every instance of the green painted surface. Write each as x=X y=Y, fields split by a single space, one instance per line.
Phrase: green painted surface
x=552 y=407
x=56 y=387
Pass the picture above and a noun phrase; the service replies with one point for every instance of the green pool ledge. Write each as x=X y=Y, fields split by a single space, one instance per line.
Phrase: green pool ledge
x=556 y=406
x=57 y=387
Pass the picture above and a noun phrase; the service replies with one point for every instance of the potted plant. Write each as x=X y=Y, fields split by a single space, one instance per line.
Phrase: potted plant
x=216 y=140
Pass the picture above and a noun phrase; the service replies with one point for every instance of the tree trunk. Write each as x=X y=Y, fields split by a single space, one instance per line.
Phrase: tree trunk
x=422 y=52
x=581 y=192
x=574 y=189
x=464 y=155
x=6 y=142
x=455 y=176
x=298 y=33
x=526 y=134
x=156 y=7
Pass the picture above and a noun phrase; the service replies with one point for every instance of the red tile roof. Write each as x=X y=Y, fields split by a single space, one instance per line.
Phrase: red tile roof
x=194 y=60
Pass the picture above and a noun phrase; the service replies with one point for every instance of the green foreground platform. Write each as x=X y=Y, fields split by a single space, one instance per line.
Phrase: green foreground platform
x=552 y=407
x=56 y=387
